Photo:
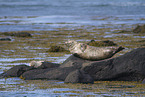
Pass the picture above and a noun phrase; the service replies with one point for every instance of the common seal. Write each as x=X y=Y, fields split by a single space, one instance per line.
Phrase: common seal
x=85 y=51
x=36 y=63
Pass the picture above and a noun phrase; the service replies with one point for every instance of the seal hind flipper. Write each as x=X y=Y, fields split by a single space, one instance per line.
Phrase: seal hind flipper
x=120 y=48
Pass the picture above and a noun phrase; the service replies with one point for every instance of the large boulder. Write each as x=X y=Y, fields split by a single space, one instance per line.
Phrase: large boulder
x=16 y=71
x=128 y=67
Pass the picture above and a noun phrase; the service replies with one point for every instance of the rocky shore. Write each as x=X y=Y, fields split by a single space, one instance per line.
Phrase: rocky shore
x=128 y=67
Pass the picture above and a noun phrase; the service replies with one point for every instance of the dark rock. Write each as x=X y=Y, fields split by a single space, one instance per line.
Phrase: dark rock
x=18 y=34
x=74 y=62
x=139 y=29
x=125 y=31
x=22 y=34
x=109 y=43
x=46 y=64
x=5 y=39
x=128 y=67
x=101 y=43
x=49 y=73
x=56 y=49
x=16 y=71
x=78 y=76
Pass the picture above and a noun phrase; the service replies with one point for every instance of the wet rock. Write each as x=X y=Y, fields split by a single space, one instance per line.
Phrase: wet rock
x=139 y=29
x=46 y=64
x=56 y=49
x=78 y=76
x=128 y=67
x=74 y=62
x=101 y=43
x=5 y=39
x=18 y=34
x=49 y=74
x=16 y=71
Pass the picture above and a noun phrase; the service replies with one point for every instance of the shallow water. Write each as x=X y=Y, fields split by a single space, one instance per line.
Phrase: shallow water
x=46 y=23
x=82 y=20
x=17 y=87
x=36 y=15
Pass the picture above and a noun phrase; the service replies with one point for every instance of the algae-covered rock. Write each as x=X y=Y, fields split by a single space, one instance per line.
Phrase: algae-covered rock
x=57 y=49
x=18 y=34
x=125 y=31
x=139 y=29
x=101 y=43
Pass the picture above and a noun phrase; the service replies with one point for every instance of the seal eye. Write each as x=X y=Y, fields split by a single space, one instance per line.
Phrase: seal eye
x=83 y=47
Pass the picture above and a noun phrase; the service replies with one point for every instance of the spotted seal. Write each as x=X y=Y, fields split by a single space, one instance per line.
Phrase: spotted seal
x=85 y=51
x=36 y=63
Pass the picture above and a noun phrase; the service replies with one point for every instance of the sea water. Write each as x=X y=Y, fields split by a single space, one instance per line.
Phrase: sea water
x=36 y=15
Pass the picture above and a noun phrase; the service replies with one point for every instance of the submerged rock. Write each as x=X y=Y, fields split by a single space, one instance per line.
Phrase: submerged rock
x=128 y=67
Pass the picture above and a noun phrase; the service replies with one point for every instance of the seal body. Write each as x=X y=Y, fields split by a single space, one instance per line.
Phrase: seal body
x=85 y=51
x=36 y=63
